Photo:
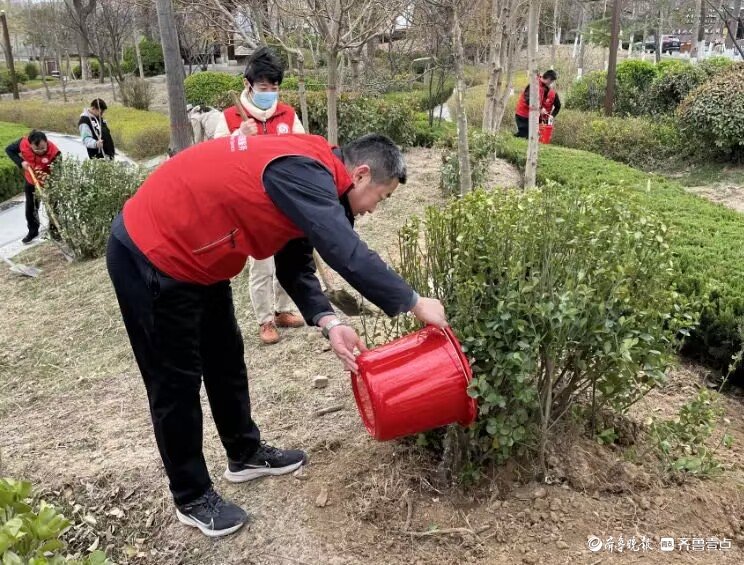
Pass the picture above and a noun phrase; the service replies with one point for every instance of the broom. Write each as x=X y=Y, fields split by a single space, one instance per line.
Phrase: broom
x=338 y=296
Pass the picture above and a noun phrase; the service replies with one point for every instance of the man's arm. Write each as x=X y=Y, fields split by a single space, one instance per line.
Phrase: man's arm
x=13 y=151
x=86 y=135
x=556 y=105
x=221 y=130
x=304 y=191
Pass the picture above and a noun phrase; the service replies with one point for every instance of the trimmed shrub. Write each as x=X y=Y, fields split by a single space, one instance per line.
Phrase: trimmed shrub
x=715 y=65
x=136 y=93
x=358 y=115
x=5 y=85
x=712 y=116
x=292 y=82
x=707 y=240
x=634 y=78
x=137 y=133
x=671 y=87
x=441 y=132
x=87 y=196
x=588 y=92
x=561 y=286
x=635 y=141
x=93 y=65
x=31 y=530
x=152 y=58
x=210 y=88
x=10 y=176
x=31 y=70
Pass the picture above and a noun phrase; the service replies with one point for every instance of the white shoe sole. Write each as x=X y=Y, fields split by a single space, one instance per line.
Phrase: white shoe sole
x=206 y=531
x=251 y=474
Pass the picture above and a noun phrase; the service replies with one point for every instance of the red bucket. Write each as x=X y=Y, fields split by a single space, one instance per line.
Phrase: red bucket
x=546 y=132
x=413 y=384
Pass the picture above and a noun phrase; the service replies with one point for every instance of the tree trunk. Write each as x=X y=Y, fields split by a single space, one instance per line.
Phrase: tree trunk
x=356 y=57
x=9 y=57
x=463 y=149
x=332 y=95
x=102 y=69
x=696 y=24
x=734 y=25
x=659 y=28
x=138 y=55
x=554 y=43
x=42 y=70
x=61 y=75
x=301 y=89
x=180 y=125
x=84 y=53
x=498 y=20
x=530 y=171
x=609 y=102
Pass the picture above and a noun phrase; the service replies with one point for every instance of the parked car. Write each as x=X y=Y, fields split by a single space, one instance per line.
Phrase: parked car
x=669 y=44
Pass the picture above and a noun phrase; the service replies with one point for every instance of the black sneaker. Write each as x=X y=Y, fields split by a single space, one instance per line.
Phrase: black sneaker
x=267 y=460
x=30 y=237
x=212 y=514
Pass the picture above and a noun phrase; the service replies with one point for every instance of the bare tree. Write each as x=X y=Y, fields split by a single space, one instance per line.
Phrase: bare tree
x=530 y=171
x=697 y=23
x=79 y=12
x=463 y=148
x=727 y=16
x=508 y=19
x=179 y=121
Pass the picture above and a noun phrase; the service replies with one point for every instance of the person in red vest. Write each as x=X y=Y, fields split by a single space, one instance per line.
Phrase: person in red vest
x=549 y=101
x=35 y=153
x=188 y=230
x=260 y=100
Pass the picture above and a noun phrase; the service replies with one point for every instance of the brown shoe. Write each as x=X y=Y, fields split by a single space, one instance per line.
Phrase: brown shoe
x=268 y=333
x=288 y=320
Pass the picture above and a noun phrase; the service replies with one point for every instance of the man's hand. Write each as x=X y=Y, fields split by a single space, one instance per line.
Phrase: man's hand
x=99 y=143
x=249 y=127
x=25 y=166
x=344 y=342
x=430 y=311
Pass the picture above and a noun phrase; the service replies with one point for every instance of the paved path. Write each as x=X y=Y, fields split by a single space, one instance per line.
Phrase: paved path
x=12 y=213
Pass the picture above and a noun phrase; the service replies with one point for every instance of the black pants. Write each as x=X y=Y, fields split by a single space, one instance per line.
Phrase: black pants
x=180 y=333
x=523 y=126
x=32 y=208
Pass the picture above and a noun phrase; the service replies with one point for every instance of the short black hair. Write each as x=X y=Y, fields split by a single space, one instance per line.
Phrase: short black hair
x=384 y=158
x=550 y=74
x=264 y=65
x=99 y=104
x=36 y=136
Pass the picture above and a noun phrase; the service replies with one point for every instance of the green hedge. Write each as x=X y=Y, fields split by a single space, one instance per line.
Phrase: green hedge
x=707 y=240
x=151 y=53
x=10 y=176
x=358 y=115
x=137 y=133
x=210 y=87
x=640 y=142
x=439 y=133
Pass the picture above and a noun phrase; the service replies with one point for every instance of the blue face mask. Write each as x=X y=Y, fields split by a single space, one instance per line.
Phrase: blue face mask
x=264 y=100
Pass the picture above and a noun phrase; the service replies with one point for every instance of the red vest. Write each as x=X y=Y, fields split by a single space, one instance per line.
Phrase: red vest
x=546 y=102
x=202 y=213
x=39 y=163
x=280 y=123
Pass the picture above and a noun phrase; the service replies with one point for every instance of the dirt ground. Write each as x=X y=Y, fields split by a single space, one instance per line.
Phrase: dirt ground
x=74 y=420
x=726 y=187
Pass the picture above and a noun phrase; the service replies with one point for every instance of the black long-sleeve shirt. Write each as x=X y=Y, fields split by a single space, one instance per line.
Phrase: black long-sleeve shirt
x=304 y=190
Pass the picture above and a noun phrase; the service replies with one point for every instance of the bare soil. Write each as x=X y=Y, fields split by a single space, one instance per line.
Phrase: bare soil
x=74 y=420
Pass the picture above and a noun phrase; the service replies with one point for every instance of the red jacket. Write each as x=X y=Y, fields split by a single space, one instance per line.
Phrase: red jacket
x=546 y=101
x=280 y=122
x=39 y=163
x=201 y=214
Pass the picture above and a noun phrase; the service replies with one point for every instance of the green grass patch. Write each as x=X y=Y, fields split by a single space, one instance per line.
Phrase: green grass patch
x=10 y=176
x=138 y=133
x=707 y=240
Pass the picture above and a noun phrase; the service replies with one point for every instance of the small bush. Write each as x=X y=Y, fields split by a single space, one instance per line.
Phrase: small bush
x=10 y=176
x=292 y=82
x=482 y=150
x=440 y=133
x=136 y=93
x=713 y=114
x=5 y=84
x=137 y=133
x=715 y=65
x=588 y=92
x=152 y=58
x=31 y=70
x=670 y=88
x=211 y=87
x=358 y=115
x=634 y=78
x=93 y=65
x=31 y=530
x=87 y=196
x=558 y=290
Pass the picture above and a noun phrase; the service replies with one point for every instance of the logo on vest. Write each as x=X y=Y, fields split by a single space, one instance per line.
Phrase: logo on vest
x=282 y=129
x=44 y=160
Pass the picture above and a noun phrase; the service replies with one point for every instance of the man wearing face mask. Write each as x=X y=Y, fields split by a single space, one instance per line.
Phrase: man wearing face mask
x=187 y=231
x=267 y=116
